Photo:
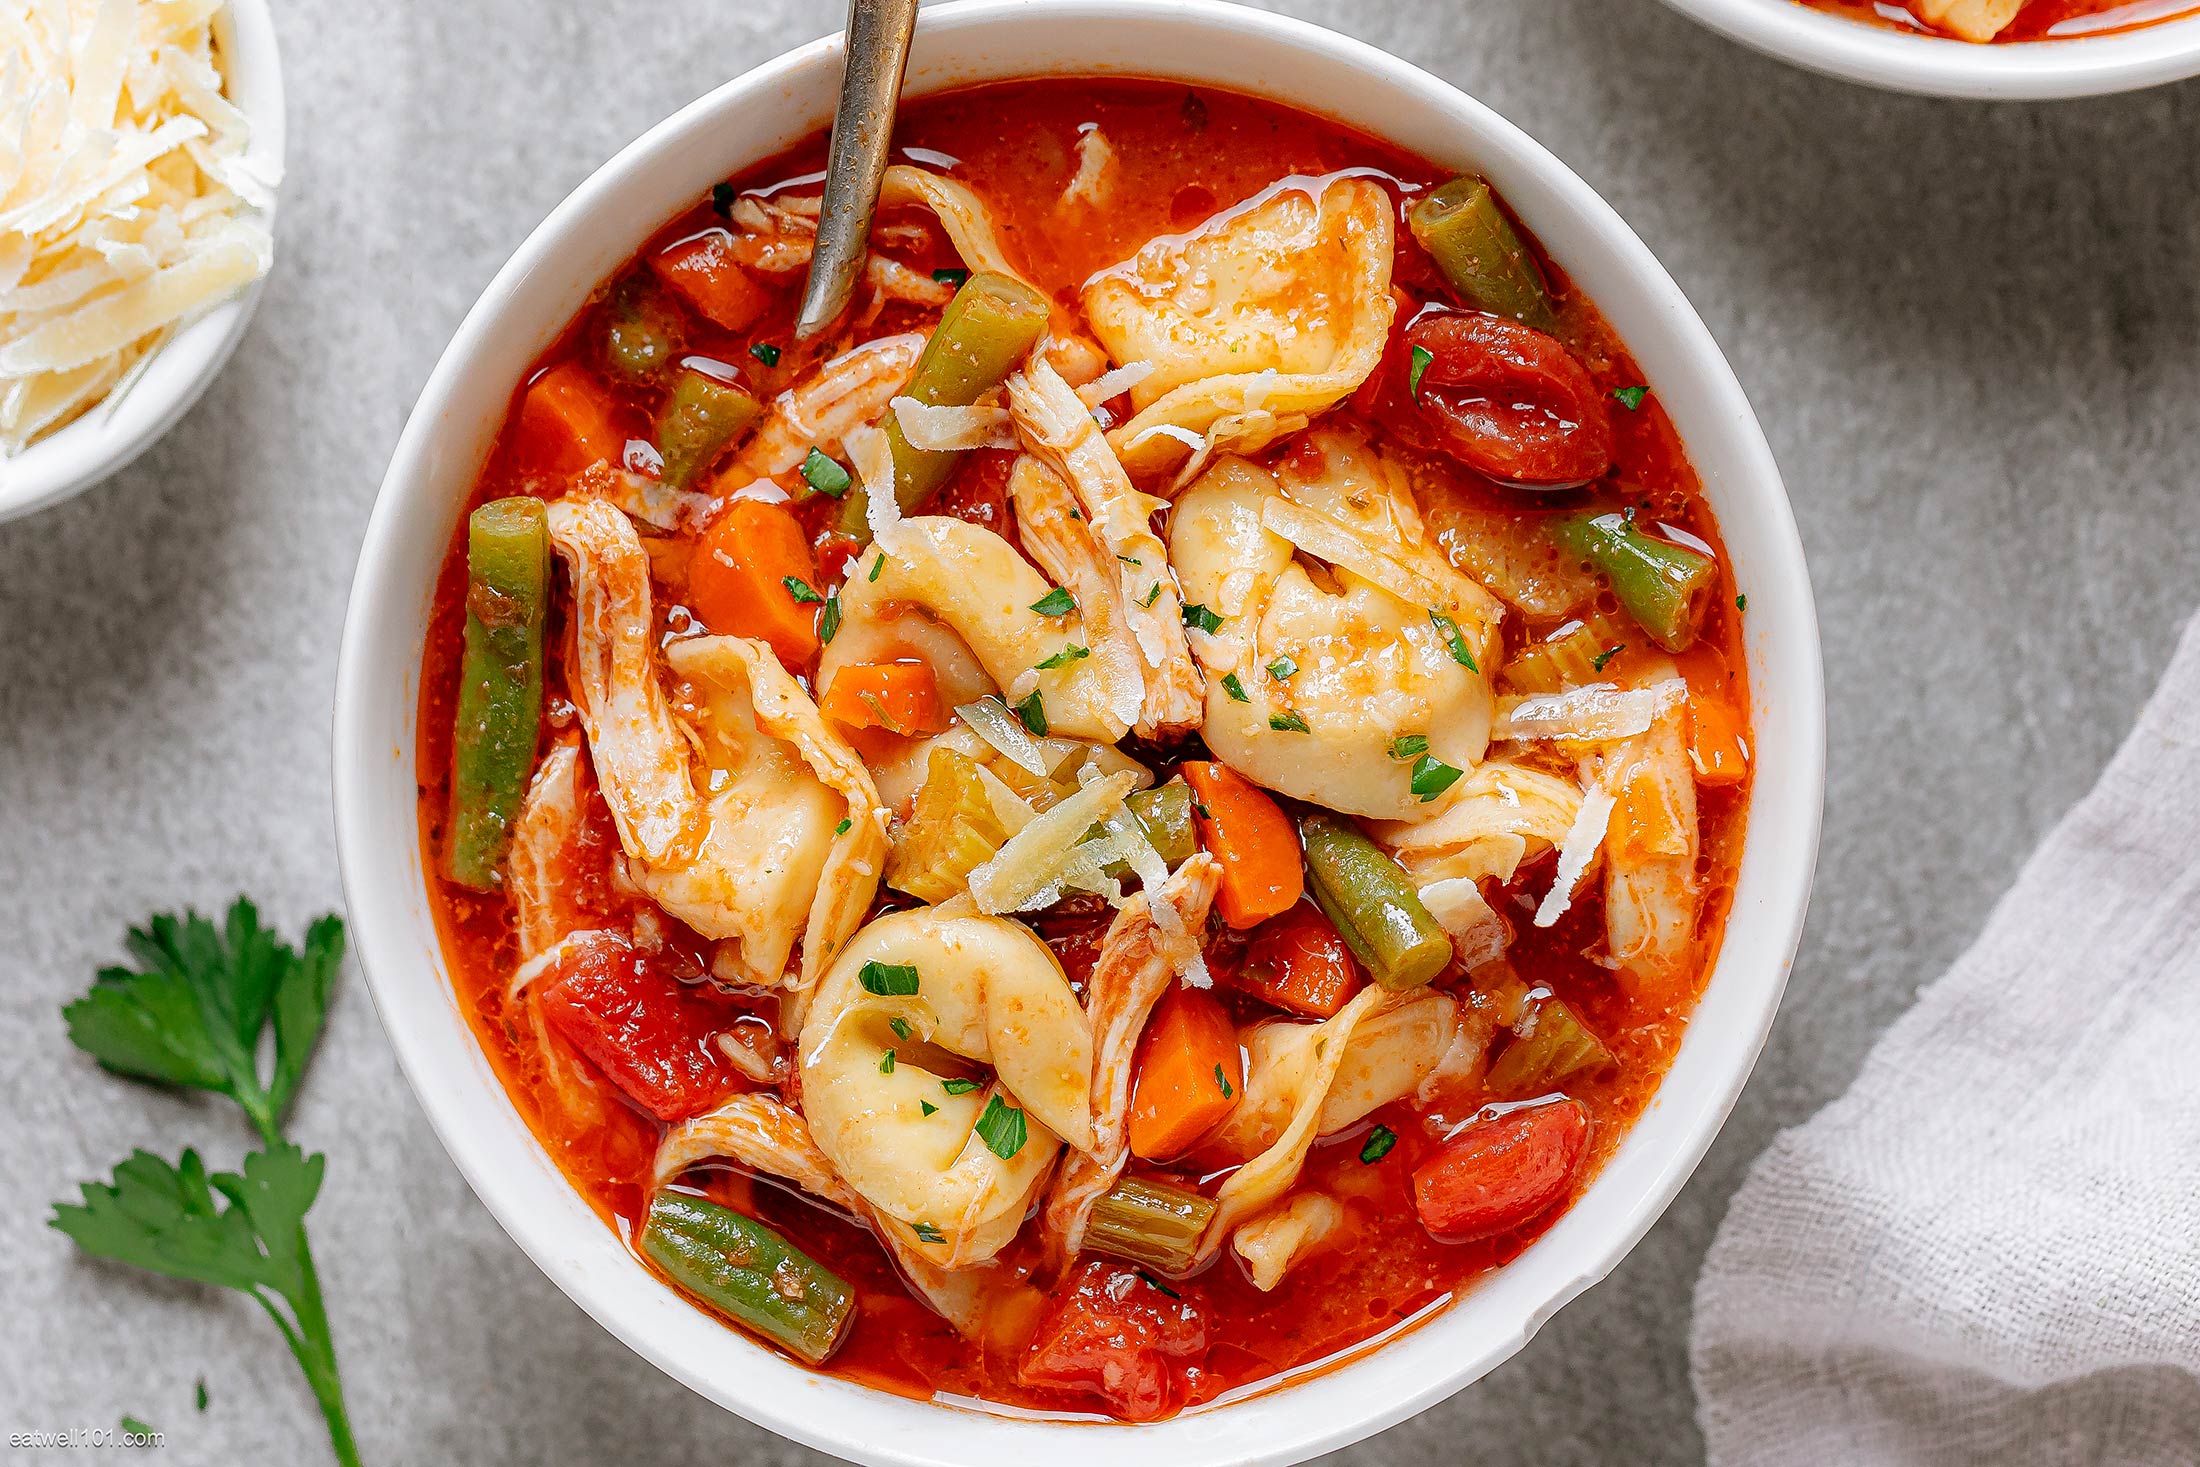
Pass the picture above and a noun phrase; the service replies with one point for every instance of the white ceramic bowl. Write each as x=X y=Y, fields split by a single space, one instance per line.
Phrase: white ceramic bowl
x=106 y=437
x=1907 y=61
x=591 y=234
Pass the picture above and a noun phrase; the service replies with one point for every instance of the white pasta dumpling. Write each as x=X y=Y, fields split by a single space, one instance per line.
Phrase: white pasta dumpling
x=1311 y=682
x=1260 y=318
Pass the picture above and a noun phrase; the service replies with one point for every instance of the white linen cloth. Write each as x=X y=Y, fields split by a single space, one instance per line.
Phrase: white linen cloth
x=1988 y=1250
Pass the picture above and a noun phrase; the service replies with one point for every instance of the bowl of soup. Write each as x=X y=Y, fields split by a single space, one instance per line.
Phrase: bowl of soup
x=1160 y=842
x=1988 y=49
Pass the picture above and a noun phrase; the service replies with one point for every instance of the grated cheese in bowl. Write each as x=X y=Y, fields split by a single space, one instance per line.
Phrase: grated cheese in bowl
x=129 y=204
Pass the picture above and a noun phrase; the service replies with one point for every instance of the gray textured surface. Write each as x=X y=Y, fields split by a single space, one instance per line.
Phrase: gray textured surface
x=1971 y=332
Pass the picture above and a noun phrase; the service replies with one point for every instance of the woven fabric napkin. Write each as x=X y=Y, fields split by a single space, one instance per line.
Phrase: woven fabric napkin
x=1988 y=1250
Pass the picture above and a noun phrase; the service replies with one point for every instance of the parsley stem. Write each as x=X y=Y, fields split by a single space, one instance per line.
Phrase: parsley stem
x=316 y=1351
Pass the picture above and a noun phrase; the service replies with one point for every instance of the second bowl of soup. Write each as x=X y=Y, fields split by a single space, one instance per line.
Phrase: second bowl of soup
x=1210 y=792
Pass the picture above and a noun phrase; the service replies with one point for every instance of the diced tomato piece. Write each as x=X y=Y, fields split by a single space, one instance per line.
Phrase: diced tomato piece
x=565 y=421
x=704 y=270
x=1504 y=399
x=1499 y=1174
x=1113 y=1333
x=650 y=1034
x=1298 y=962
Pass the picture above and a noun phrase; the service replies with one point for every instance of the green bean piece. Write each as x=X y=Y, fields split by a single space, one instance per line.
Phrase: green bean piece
x=499 y=685
x=747 y=1271
x=1662 y=585
x=1151 y=1223
x=1480 y=253
x=641 y=330
x=1371 y=902
x=701 y=417
x=1541 y=1061
x=1164 y=814
x=986 y=331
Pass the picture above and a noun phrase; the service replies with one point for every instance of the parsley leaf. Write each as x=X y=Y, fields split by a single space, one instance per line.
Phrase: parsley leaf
x=766 y=353
x=1063 y=658
x=951 y=277
x=926 y=1233
x=1288 y=722
x=1153 y=594
x=958 y=1087
x=1422 y=356
x=886 y=1063
x=1056 y=602
x=1408 y=746
x=722 y=196
x=1630 y=398
x=1199 y=616
x=1282 y=668
x=842 y=828
x=888 y=980
x=1234 y=688
x=1607 y=655
x=928 y=1107
x=825 y=476
x=900 y=1027
x=1223 y=1081
x=1164 y=1288
x=800 y=590
x=1001 y=1128
x=1432 y=776
x=1741 y=603
x=1379 y=1142
x=828 y=620
x=878 y=564
x=194 y=1012
x=1454 y=640
x=1033 y=713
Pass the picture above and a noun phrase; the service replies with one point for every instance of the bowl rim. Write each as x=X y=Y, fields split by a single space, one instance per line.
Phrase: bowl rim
x=1305 y=1412
x=106 y=437
x=1893 y=59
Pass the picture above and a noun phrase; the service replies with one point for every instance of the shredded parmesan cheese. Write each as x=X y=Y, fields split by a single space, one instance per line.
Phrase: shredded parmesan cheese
x=1575 y=855
x=951 y=429
x=1115 y=383
x=128 y=207
x=1595 y=713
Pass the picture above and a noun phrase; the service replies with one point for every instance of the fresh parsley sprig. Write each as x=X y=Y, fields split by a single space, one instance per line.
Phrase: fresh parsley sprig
x=197 y=1013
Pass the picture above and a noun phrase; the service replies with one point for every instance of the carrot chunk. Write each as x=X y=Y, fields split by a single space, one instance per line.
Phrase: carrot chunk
x=1254 y=841
x=1502 y=1173
x=752 y=576
x=1299 y=962
x=1191 y=1074
x=899 y=697
x=565 y=421
x=1715 y=743
x=704 y=271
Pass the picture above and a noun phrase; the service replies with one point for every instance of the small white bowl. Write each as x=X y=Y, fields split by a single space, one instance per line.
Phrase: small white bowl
x=529 y=302
x=109 y=434
x=1913 y=61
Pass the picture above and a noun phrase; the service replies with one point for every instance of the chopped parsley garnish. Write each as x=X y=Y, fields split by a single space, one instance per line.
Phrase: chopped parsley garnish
x=1630 y=398
x=886 y=1063
x=842 y=828
x=1379 y=1142
x=888 y=980
x=1063 y=658
x=1432 y=776
x=1126 y=559
x=877 y=566
x=1741 y=603
x=1153 y=594
x=1001 y=1128
x=1422 y=356
x=1164 y=1288
x=1223 y=1081
x=928 y=1107
x=1056 y=602
x=1607 y=655
x=1282 y=668
x=722 y=196
x=1199 y=616
x=900 y=1027
x=828 y=620
x=766 y=353
x=200 y=1394
x=800 y=590
x=1234 y=688
x=1288 y=722
x=825 y=476
x=926 y=1233
x=131 y=1426
x=1408 y=746
x=1454 y=640
x=1033 y=714
x=958 y=1087
x=954 y=277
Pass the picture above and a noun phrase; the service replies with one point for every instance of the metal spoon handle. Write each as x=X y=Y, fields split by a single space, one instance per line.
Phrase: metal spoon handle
x=863 y=127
